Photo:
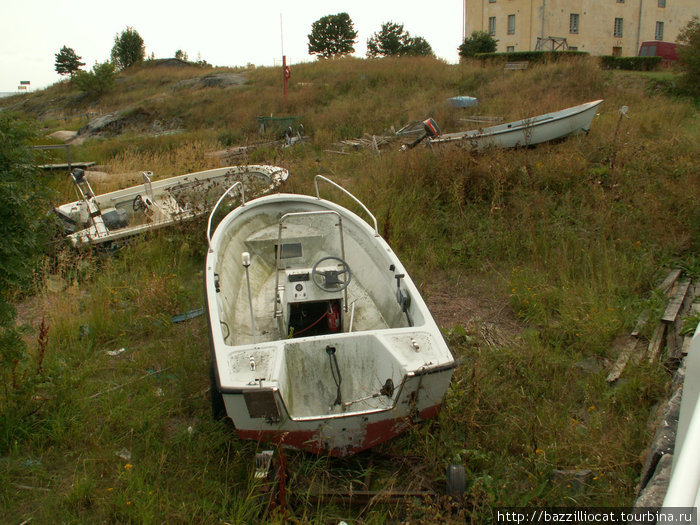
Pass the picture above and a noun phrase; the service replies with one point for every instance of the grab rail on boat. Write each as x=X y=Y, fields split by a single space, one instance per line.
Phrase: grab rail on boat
x=213 y=211
x=358 y=201
x=147 y=185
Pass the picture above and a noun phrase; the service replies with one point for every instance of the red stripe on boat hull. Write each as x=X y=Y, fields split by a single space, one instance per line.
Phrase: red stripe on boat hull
x=311 y=440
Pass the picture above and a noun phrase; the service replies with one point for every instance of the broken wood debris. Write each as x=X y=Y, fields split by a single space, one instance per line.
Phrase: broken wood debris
x=629 y=349
x=369 y=141
x=681 y=294
x=676 y=302
x=390 y=136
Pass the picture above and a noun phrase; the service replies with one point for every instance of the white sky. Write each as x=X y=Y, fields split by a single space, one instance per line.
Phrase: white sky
x=224 y=33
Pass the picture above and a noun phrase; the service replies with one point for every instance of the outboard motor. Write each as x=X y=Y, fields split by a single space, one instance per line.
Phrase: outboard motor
x=432 y=130
x=78 y=174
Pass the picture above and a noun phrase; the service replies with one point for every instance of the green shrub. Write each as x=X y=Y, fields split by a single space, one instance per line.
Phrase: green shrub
x=530 y=56
x=97 y=81
x=630 y=63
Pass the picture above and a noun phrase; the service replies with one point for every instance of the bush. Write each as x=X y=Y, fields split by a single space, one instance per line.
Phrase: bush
x=689 y=53
x=630 y=63
x=530 y=56
x=23 y=228
x=97 y=81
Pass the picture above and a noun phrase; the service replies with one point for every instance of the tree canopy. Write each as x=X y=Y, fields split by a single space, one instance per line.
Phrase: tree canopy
x=689 y=55
x=332 y=36
x=478 y=42
x=67 y=61
x=128 y=49
x=392 y=40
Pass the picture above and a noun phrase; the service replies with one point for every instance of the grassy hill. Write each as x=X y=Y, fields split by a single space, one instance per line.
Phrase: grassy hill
x=534 y=262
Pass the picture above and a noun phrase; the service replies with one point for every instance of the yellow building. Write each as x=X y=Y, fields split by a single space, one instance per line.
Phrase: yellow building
x=599 y=27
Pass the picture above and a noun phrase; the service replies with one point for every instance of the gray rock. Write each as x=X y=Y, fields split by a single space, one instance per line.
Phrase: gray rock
x=653 y=494
x=573 y=480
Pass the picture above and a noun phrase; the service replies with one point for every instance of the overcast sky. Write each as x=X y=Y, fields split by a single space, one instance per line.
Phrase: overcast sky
x=224 y=33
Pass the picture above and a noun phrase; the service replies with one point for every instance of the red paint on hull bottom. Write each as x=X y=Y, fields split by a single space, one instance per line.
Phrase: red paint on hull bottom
x=311 y=440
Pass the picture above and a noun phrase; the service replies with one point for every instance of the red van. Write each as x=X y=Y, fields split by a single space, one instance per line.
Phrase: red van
x=656 y=48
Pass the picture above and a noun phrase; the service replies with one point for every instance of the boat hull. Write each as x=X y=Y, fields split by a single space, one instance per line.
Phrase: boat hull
x=526 y=132
x=363 y=380
x=171 y=200
x=341 y=438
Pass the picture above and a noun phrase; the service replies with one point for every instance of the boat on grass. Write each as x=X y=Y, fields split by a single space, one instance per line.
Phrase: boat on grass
x=320 y=340
x=525 y=132
x=101 y=219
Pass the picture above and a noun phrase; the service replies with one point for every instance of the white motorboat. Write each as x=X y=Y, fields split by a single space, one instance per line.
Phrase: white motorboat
x=98 y=219
x=320 y=340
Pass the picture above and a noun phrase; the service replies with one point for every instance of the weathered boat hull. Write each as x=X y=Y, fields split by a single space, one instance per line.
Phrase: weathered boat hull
x=526 y=132
x=346 y=387
x=157 y=204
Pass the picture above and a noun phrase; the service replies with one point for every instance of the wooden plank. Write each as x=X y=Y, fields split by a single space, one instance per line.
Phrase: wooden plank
x=676 y=302
x=641 y=321
x=628 y=349
x=66 y=165
x=670 y=280
x=693 y=309
x=685 y=347
x=674 y=347
x=516 y=65
x=657 y=341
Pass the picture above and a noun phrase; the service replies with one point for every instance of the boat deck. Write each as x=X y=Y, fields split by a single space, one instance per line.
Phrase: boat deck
x=362 y=314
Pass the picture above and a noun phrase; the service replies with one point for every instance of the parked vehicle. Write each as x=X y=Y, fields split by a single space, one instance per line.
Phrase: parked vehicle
x=655 y=48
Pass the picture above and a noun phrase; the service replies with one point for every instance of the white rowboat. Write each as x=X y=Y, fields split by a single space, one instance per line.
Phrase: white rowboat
x=320 y=341
x=526 y=132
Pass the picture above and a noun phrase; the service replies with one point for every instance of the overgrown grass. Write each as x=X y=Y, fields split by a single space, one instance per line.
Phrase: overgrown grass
x=573 y=235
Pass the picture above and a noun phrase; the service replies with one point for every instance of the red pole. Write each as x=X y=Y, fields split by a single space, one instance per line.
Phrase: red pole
x=285 y=76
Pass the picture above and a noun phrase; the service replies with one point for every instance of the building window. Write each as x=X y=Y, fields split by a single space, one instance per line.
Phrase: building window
x=510 y=49
x=620 y=1
x=492 y=25
x=573 y=23
x=492 y=1
x=662 y=3
x=618 y=28
x=511 y=24
x=659 y=33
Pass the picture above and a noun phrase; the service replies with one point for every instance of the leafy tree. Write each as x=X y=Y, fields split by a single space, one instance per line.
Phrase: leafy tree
x=128 y=49
x=479 y=42
x=23 y=228
x=97 y=81
x=418 y=46
x=67 y=61
x=332 y=36
x=181 y=55
x=392 y=40
x=689 y=55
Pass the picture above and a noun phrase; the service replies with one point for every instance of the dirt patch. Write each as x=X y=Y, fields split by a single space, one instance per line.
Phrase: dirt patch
x=476 y=302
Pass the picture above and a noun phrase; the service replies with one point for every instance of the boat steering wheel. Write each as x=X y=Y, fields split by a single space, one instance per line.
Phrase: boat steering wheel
x=137 y=204
x=331 y=280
